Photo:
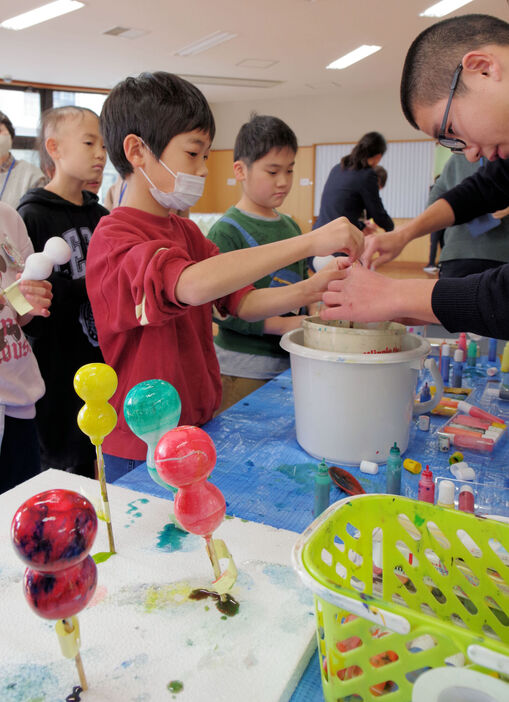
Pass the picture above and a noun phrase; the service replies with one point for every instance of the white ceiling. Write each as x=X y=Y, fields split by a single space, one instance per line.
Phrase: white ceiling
x=299 y=38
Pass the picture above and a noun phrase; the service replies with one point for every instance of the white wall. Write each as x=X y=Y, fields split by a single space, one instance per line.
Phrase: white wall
x=319 y=118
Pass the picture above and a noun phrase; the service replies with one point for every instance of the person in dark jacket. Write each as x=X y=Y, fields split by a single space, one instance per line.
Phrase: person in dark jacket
x=352 y=186
x=455 y=87
x=67 y=339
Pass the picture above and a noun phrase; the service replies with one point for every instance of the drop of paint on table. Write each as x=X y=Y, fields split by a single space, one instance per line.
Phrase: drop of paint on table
x=75 y=695
x=230 y=606
x=175 y=686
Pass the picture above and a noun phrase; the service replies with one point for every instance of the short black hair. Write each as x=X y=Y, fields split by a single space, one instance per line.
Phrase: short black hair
x=261 y=134
x=435 y=54
x=369 y=145
x=156 y=107
x=5 y=120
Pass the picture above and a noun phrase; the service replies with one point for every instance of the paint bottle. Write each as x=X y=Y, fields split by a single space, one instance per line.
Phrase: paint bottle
x=425 y=393
x=446 y=363
x=466 y=500
x=492 y=350
x=472 y=354
x=446 y=494
x=457 y=369
x=322 y=489
x=504 y=368
x=426 y=487
x=393 y=471
x=462 y=343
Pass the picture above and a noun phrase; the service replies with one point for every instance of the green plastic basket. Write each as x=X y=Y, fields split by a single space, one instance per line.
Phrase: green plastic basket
x=402 y=586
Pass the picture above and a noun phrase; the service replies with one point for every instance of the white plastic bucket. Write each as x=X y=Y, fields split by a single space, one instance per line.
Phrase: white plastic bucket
x=353 y=407
x=378 y=337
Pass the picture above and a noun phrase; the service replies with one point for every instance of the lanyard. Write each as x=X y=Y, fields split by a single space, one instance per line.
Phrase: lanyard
x=7 y=177
x=122 y=191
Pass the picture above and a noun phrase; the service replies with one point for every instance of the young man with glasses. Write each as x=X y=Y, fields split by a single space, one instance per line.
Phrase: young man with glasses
x=454 y=87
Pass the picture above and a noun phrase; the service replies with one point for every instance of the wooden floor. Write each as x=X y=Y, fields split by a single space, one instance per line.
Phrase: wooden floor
x=405 y=269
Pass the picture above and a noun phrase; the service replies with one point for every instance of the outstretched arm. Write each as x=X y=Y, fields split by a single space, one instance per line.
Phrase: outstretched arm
x=437 y=216
x=221 y=275
x=361 y=295
x=269 y=302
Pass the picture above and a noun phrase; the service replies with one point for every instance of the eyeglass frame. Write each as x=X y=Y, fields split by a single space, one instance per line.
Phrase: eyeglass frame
x=454 y=144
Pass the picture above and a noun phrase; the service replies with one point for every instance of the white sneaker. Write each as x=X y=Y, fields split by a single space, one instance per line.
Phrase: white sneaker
x=430 y=269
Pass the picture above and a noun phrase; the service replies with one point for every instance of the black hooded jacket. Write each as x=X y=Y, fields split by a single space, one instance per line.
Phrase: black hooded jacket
x=67 y=339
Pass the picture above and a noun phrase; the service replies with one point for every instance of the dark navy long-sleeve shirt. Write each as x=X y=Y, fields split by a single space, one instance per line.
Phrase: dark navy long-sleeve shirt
x=348 y=193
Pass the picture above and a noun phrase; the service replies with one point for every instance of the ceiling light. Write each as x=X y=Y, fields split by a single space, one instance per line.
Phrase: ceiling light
x=445 y=7
x=354 y=56
x=206 y=43
x=42 y=14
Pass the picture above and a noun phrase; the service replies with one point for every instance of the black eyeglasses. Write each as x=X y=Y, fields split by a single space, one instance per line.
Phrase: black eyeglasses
x=456 y=145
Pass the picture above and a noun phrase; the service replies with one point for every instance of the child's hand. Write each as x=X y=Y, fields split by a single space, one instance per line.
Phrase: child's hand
x=39 y=295
x=360 y=295
x=319 y=281
x=338 y=236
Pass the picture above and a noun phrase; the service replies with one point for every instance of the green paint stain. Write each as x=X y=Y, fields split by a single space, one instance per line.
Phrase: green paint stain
x=224 y=616
x=171 y=538
x=244 y=520
x=418 y=520
x=301 y=473
x=228 y=516
x=175 y=686
x=102 y=556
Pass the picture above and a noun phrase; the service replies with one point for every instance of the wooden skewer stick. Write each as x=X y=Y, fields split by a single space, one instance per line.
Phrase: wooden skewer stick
x=104 y=495
x=77 y=659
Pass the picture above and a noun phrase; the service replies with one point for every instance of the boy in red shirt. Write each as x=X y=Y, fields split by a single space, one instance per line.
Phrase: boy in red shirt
x=152 y=277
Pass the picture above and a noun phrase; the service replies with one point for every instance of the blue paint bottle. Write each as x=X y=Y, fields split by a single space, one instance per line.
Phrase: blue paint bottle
x=393 y=471
x=322 y=489
x=504 y=368
x=425 y=393
x=445 y=364
x=457 y=369
x=492 y=350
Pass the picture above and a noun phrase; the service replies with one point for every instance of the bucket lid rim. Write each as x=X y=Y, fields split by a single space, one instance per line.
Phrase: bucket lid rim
x=288 y=343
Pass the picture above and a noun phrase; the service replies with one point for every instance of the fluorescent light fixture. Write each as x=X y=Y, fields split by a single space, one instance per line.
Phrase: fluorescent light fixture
x=440 y=9
x=356 y=55
x=206 y=43
x=42 y=14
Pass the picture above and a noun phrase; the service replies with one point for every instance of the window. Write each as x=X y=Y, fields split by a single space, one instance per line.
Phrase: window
x=23 y=108
x=93 y=101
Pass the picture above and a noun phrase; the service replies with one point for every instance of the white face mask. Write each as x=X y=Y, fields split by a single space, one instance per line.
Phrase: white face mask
x=186 y=193
x=5 y=144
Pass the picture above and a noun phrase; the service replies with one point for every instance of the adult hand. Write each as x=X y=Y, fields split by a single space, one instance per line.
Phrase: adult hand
x=358 y=295
x=369 y=228
x=388 y=245
x=338 y=236
x=38 y=294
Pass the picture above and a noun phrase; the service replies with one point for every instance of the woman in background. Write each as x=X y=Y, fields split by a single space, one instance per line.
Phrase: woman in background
x=352 y=186
x=352 y=189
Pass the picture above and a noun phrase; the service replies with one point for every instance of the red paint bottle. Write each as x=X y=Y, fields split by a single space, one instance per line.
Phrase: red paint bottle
x=466 y=499
x=426 y=488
